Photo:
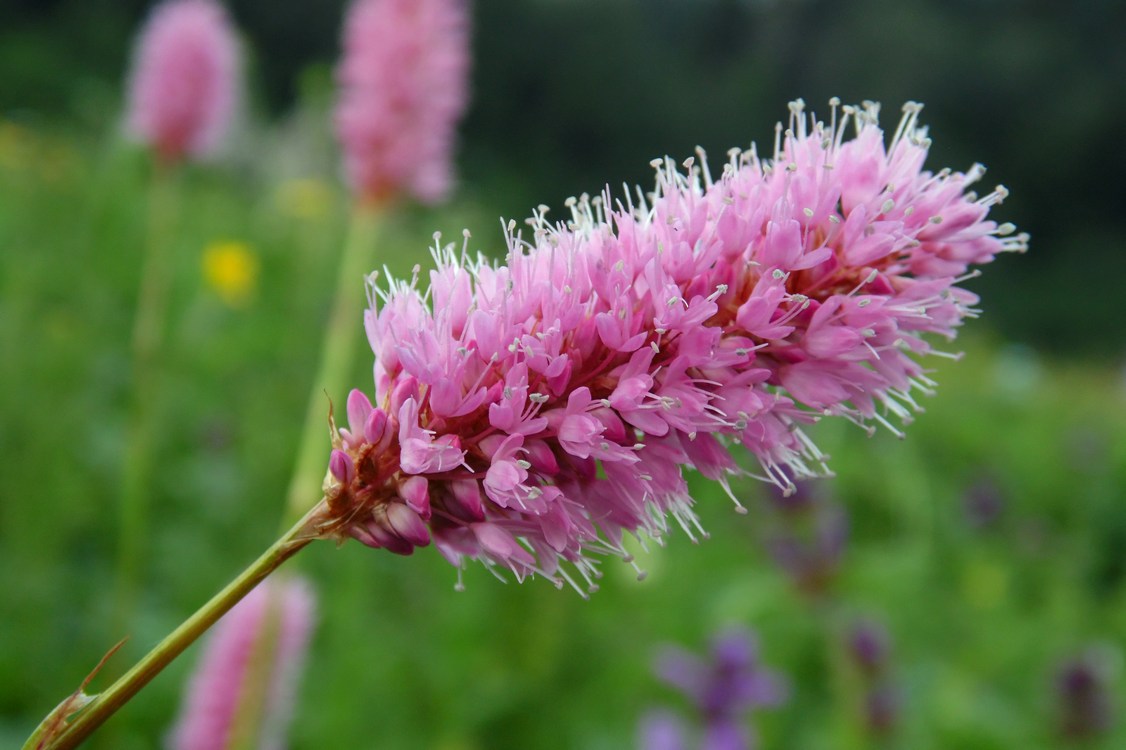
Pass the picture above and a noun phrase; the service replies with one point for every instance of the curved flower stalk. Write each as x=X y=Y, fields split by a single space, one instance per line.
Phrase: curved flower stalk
x=242 y=692
x=403 y=87
x=531 y=414
x=183 y=87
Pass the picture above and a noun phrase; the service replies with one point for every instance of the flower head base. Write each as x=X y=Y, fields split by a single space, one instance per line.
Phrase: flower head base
x=530 y=414
x=403 y=81
x=183 y=86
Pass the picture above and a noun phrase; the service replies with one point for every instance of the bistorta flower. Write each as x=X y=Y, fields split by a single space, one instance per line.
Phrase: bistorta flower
x=183 y=85
x=242 y=692
x=530 y=414
x=403 y=86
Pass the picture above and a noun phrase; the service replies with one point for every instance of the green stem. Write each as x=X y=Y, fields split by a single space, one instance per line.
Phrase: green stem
x=105 y=704
x=253 y=699
x=148 y=333
x=337 y=353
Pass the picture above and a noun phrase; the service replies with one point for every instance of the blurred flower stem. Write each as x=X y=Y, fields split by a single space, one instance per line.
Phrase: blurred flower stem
x=61 y=735
x=147 y=337
x=337 y=355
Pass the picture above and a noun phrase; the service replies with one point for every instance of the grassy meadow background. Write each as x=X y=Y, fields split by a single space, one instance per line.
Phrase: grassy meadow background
x=991 y=542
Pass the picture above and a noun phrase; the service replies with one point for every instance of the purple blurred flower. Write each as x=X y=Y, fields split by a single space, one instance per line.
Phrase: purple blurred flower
x=881 y=708
x=869 y=645
x=806 y=536
x=661 y=730
x=723 y=688
x=1083 y=693
x=869 y=648
x=983 y=502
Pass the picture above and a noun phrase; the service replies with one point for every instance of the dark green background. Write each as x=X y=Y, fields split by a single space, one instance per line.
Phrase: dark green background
x=571 y=95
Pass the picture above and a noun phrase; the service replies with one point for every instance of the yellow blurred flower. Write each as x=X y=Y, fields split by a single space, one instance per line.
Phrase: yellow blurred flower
x=304 y=198
x=230 y=268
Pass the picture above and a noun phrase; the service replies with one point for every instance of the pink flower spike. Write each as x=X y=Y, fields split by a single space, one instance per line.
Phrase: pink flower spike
x=551 y=405
x=183 y=86
x=403 y=86
x=281 y=609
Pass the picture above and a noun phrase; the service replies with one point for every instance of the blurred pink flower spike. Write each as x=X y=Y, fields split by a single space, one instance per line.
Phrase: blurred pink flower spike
x=403 y=86
x=531 y=414
x=242 y=692
x=183 y=87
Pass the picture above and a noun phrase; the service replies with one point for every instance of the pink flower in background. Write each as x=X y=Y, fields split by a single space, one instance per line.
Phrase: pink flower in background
x=184 y=81
x=403 y=86
x=531 y=414
x=243 y=689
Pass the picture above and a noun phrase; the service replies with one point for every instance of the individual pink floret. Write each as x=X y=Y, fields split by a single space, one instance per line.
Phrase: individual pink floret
x=260 y=644
x=184 y=81
x=531 y=414
x=403 y=86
